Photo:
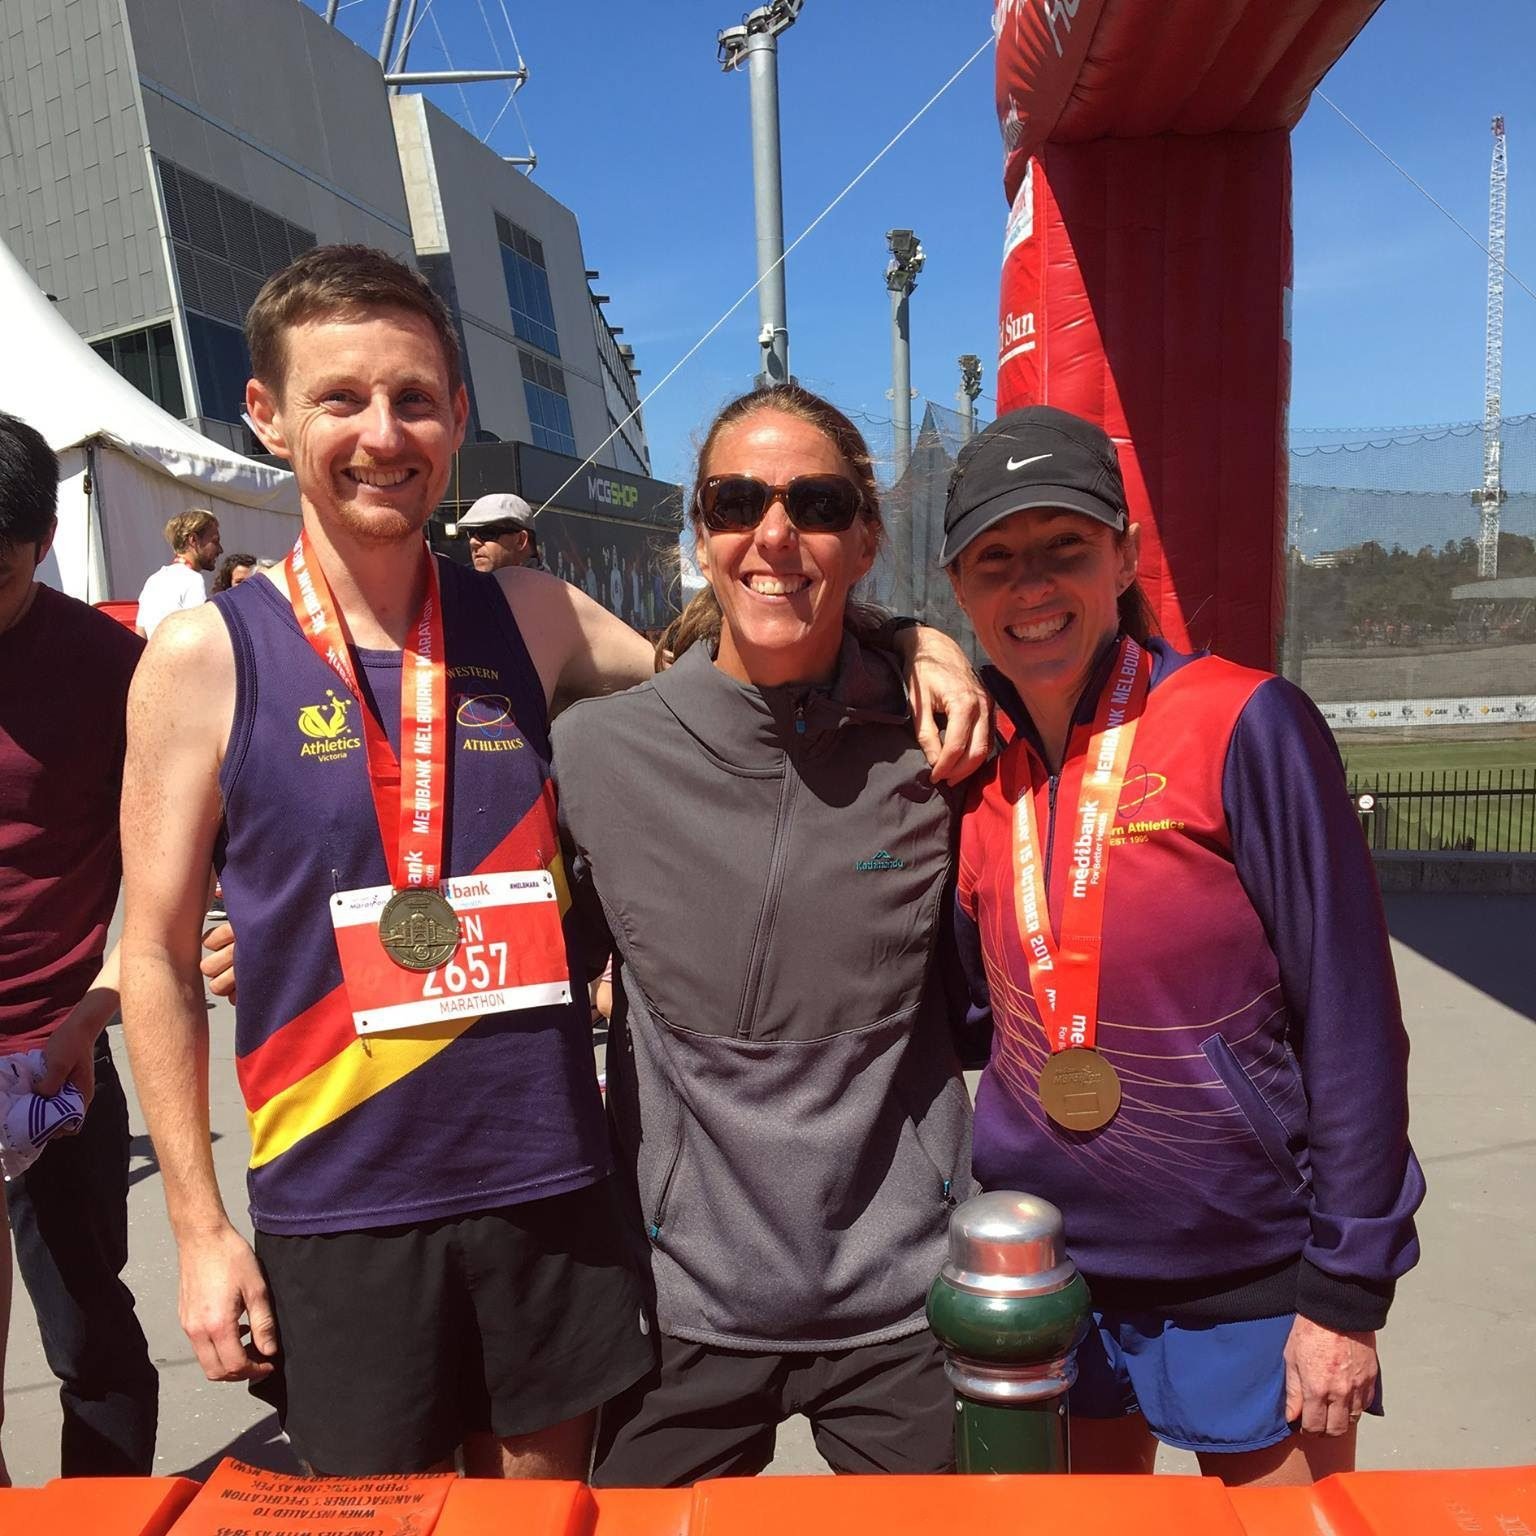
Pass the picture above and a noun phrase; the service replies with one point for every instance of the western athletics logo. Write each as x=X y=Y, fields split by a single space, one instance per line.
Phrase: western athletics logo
x=1141 y=784
x=491 y=715
x=881 y=860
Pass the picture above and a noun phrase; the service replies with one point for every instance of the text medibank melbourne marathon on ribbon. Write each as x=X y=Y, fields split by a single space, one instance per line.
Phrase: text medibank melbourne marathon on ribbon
x=605 y=530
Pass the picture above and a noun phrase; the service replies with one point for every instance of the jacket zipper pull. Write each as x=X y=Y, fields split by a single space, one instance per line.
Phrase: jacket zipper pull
x=800 y=720
x=949 y=1199
x=653 y=1231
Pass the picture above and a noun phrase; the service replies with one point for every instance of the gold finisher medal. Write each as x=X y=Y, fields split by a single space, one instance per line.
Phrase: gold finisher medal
x=1079 y=1089
x=420 y=931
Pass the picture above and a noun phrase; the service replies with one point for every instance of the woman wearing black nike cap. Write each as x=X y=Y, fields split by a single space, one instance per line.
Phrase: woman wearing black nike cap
x=1198 y=1053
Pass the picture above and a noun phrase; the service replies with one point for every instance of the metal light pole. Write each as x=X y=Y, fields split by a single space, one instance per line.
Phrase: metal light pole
x=387 y=37
x=403 y=52
x=756 y=42
x=970 y=388
x=901 y=278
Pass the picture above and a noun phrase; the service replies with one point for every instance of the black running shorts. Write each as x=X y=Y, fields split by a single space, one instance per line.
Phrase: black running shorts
x=707 y=1412
x=396 y=1343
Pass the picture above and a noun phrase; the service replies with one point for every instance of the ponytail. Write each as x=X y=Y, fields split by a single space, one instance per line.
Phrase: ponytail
x=1136 y=616
x=700 y=620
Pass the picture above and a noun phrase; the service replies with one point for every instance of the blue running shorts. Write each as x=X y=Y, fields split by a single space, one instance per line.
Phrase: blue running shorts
x=1216 y=1387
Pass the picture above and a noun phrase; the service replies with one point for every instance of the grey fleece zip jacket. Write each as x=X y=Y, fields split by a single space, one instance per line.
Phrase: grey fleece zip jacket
x=772 y=866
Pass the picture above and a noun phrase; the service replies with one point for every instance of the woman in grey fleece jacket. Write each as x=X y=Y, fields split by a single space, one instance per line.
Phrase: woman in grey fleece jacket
x=772 y=863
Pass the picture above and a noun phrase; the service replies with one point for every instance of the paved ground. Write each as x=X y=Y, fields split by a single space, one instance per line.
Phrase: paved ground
x=1460 y=1355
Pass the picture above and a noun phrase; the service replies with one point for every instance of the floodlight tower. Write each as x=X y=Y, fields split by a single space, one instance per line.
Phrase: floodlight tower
x=1491 y=493
x=901 y=271
x=756 y=40
x=970 y=388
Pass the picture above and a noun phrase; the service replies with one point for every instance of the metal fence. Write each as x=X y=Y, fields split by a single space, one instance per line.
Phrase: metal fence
x=1484 y=810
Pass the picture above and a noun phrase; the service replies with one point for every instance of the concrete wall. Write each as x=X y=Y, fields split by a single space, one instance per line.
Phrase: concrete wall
x=76 y=202
x=261 y=97
x=456 y=186
x=1479 y=874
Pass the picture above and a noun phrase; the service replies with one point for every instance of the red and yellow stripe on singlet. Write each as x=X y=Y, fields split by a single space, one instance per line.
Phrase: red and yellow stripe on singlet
x=316 y=1068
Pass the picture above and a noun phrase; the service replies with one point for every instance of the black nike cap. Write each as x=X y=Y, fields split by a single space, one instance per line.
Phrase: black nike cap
x=1034 y=457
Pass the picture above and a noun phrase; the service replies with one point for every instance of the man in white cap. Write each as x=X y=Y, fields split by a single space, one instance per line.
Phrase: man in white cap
x=500 y=533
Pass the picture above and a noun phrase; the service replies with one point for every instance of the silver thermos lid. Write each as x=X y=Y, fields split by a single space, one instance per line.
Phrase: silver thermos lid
x=1007 y=1244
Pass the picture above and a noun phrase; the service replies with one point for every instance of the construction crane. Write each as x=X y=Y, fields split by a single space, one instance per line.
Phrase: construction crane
x=1490 y=494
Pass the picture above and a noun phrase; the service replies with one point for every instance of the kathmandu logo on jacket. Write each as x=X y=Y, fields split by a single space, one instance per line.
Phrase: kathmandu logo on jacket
x=881 y=860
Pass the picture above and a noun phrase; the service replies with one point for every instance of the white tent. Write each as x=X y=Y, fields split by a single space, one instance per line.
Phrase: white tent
x=125 y=465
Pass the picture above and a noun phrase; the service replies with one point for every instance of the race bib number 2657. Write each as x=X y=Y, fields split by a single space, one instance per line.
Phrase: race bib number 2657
x=510 y=954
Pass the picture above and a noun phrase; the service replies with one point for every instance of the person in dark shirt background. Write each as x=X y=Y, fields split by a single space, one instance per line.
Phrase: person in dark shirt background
x=234 y=569
x=64 y=674
x=1220 y=1108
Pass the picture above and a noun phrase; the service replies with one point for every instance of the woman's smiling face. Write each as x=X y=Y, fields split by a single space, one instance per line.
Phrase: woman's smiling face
x=1041 y=589
x=782 y=593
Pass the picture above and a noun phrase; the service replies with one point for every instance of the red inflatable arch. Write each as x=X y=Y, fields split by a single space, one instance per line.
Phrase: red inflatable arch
x=1147 y=270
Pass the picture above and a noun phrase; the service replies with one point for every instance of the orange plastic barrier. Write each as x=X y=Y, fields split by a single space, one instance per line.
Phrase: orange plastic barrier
x=104 y=1506
x=1496 y=1502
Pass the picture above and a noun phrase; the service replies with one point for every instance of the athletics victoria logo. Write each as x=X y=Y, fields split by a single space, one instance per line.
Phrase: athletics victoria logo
x=881 y=860
x=326 y=726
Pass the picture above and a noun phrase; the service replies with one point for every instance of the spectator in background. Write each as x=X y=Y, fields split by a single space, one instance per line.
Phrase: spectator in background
x=60 y=777
x=194 y=540
x=234 y=570
x=500 y=533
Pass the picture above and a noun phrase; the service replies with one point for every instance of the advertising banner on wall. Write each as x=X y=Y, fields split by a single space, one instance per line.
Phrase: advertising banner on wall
x=573 y=485
x=609 y=532
x=1383 y=714
x=630 y=568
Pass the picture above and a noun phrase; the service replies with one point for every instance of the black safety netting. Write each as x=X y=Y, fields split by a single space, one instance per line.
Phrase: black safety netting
x=1390 y=622
x=907 y=578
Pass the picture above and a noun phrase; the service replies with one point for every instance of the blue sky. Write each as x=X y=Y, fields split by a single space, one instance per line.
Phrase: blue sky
x=640 y=132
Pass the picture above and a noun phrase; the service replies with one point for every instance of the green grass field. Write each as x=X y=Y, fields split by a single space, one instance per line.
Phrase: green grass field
x=1414 y=756
x=1408 y=820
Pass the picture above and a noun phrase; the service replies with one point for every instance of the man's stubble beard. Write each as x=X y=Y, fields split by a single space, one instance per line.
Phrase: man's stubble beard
x=381 y=526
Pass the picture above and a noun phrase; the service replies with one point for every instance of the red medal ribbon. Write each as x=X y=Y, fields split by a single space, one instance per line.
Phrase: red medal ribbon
x=1064 y=977
x=409 y=791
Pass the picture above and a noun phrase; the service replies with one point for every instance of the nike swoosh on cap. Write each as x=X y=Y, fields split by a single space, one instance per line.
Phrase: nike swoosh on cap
x=1020 y=463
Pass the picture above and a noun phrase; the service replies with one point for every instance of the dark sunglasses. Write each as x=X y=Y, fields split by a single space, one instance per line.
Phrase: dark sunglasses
x=813 y=503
